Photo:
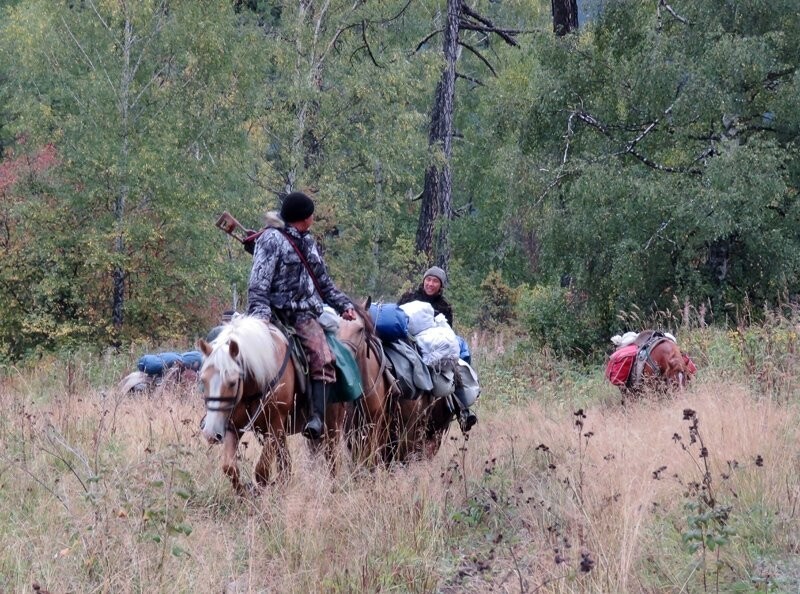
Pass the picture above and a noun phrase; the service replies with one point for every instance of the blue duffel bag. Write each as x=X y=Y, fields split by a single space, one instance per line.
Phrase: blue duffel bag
x=391 y=322
x=158 y=364
x=192 y=360
x=463 y=347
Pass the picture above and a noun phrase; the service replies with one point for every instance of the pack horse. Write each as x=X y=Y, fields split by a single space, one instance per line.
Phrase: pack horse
x=648 y=359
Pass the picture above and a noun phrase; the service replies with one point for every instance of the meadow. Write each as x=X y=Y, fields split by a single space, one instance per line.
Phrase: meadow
x=559 y=488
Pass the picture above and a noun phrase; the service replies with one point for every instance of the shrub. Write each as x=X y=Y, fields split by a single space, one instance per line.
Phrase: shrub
x=558 y=318
x=498 y=301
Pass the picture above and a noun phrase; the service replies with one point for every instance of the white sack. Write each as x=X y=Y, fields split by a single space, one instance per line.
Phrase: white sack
x=437 y=343
x=420 y=316
x=470 y=389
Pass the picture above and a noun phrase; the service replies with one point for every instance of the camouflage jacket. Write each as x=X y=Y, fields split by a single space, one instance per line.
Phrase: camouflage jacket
x=279 y=280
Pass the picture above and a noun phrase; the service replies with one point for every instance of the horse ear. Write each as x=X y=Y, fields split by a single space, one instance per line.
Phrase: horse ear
x=233 y=348
x=368 y=303
x=204 y=347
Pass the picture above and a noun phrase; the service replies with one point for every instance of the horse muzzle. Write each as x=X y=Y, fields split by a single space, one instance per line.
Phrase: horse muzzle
x=214 y=432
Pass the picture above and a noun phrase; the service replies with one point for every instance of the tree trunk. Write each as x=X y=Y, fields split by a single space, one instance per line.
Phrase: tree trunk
x=123 y=189
x=565 y=16
x=437 y=210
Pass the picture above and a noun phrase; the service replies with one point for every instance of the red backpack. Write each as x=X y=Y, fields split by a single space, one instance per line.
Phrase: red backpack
x=620 y=364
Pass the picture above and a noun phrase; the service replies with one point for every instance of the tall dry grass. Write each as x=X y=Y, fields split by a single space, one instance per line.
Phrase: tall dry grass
x=557 y=489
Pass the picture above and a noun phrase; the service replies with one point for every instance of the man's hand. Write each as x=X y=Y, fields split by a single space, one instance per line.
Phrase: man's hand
x=349 y=314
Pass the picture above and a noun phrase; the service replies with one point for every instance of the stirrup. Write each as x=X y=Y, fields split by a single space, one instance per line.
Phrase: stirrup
x=467 y=420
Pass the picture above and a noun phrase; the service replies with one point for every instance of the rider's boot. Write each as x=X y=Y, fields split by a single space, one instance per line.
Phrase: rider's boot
x=467 y=419
x=316 y=420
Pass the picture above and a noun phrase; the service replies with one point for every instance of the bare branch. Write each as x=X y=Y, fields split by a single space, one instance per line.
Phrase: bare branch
x=427 y=38
x=366 y=44
x=478 y=54
x=470 y=79
x=630 y=145
x=670 y=10
x=489 y=27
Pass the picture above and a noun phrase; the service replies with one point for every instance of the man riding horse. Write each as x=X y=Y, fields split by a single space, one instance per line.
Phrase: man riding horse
x=289 y=281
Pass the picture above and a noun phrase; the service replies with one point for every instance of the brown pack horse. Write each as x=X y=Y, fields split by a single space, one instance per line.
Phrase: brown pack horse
x=419 y=425
x=249 y=384
x=385 y=426
x=660 y=364
x=368 y=431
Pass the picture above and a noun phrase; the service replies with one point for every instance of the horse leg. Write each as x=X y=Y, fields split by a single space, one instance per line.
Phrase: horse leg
x=229 y=467
x=278 y=449
x=334 y=422
x=284 y=458
x=376 y=431
x=265 y=460
x=411 y=428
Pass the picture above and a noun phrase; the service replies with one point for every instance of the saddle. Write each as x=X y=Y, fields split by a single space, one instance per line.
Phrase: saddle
x=645 y=345
x=348 y=377
x=625 y=367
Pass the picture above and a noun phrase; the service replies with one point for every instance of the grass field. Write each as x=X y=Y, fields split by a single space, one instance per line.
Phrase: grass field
x=559 y=488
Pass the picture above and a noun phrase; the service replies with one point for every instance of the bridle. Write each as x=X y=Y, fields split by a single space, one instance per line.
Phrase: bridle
x=227 y=404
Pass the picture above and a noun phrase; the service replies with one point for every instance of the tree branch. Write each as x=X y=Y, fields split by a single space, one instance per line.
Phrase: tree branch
x=489 y=27
x=670 y=10
x=470 y=79
x=426 y=39
x=478 y=54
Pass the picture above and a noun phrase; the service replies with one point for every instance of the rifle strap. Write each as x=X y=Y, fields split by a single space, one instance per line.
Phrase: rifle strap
x=304 y=261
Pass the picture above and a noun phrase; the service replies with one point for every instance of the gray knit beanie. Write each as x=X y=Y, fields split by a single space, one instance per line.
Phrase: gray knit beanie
x=436 y=272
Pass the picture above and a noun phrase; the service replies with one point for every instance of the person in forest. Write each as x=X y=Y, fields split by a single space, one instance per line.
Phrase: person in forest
x=431 y=290
x=289 y=281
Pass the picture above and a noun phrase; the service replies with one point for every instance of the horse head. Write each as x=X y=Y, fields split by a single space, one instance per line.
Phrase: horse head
x=222 y=378
x=240 y=360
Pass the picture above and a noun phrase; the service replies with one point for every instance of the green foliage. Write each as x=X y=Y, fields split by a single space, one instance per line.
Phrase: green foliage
x=675 y=181
x=652 y=157
x=145 y=116
x=558 y=318
x=498 y=301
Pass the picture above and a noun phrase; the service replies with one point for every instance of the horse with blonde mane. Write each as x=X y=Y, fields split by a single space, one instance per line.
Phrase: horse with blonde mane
x=250 y=384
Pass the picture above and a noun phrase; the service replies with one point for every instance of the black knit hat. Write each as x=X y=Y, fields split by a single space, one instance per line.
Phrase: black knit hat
x=296 y=207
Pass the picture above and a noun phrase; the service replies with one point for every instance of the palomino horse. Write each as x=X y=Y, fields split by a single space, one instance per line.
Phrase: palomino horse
x=249 y=384
x=369 y=433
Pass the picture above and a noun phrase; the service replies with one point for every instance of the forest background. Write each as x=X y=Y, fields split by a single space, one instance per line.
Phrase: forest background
x=644 y=161
x=636 y=165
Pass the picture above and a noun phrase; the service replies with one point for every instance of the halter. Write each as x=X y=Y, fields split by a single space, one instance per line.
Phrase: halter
x=228 y=403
